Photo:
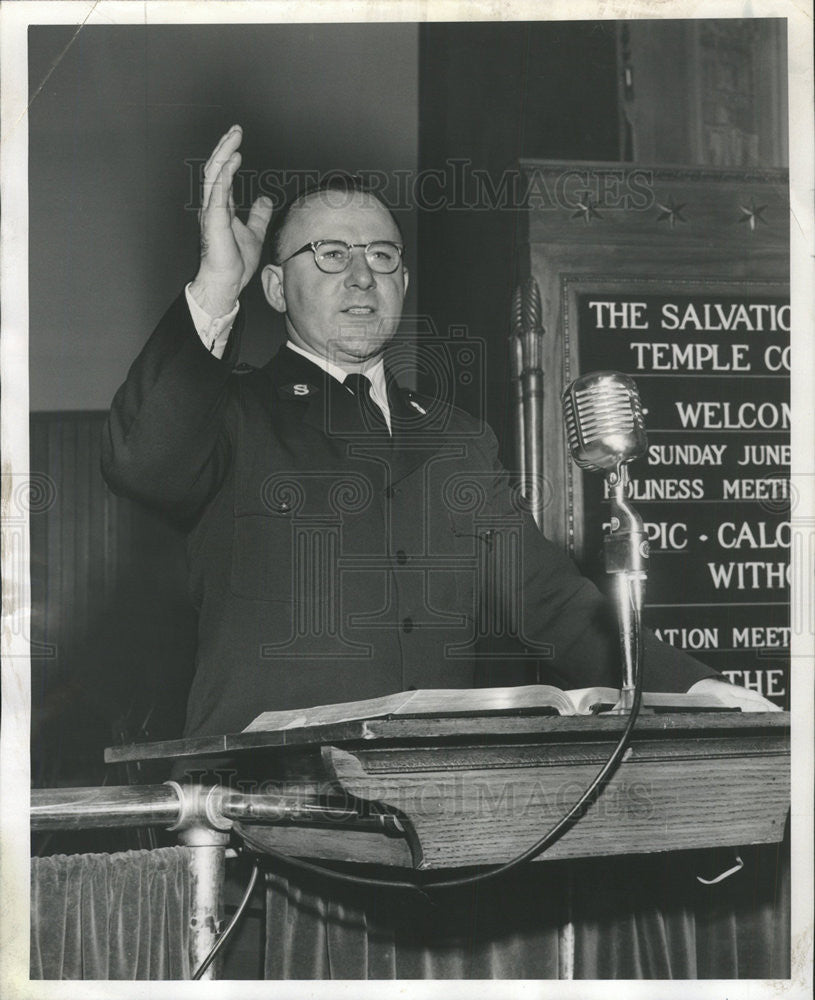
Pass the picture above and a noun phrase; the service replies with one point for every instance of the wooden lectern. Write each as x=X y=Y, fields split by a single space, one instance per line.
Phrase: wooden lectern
x=462 y=791
x=429 y=793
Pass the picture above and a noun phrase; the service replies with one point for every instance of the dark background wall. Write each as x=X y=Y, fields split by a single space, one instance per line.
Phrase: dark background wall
x=122 y=119
x=487 y=98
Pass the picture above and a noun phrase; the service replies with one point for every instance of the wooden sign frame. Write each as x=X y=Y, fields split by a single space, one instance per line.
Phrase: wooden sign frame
x=593 y=225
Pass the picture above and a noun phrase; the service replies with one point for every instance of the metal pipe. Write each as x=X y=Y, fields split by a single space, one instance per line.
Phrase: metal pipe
x=207 y=873
x=178 y=806
x=115 y=806
x=532 y=382
x=270 y=808
x=516 y=364
x=531 y=337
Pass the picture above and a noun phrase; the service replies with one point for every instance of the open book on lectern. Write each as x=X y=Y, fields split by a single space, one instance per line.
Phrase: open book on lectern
x=530 y=699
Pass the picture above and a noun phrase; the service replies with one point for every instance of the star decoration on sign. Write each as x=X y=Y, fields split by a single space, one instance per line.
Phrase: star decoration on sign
x=586 y=211
x=671 y=212
x=753 y=215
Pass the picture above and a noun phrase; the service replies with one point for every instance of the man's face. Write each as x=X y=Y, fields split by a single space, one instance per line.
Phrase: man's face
x=348 y=317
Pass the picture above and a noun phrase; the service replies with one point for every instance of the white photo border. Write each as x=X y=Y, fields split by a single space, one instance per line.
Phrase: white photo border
x=15 y=18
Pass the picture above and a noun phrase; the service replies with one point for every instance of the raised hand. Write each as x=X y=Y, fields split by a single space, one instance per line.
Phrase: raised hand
x=230 y=249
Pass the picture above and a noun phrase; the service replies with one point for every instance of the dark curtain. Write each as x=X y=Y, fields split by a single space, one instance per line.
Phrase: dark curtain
x=126 y=916
x=111 y=916
x=505 y=931
x=649 y=917
x=633 y=917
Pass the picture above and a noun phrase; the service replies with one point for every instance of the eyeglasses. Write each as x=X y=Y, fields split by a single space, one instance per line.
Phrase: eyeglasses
x=334 y=256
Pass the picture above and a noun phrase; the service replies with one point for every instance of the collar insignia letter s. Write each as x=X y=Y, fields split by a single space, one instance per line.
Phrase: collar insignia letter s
x=300 y=389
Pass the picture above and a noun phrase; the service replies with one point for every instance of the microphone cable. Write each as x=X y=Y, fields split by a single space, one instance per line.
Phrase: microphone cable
x=227 y=932
x=587 y=797
x=424 y=888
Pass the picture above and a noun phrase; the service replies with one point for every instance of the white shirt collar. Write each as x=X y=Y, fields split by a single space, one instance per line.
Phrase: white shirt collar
x=376 y=375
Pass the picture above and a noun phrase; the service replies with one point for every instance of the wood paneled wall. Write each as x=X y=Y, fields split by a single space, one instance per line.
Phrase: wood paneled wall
x=112 y=631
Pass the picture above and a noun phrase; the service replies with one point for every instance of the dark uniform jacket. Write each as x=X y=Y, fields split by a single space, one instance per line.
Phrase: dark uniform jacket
x=330 y=562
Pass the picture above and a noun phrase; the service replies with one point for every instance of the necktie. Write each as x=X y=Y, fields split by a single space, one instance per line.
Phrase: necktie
x=372 y=416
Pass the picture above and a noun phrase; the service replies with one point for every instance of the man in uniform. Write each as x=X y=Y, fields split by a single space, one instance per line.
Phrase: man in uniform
x=349 y=539
x=342 y=530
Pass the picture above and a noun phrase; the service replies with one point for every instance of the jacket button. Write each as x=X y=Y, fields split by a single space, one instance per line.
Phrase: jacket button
x=407 y=625
x=401 y=557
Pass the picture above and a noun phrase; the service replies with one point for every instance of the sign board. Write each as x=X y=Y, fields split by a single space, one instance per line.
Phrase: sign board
x=673 y=289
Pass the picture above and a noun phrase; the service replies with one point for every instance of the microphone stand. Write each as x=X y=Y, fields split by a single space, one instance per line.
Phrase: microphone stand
x=530 y=336
x=625 y=549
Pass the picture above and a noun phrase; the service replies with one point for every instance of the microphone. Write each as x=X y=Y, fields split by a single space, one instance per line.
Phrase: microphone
x=606 y=431
x=604 y=421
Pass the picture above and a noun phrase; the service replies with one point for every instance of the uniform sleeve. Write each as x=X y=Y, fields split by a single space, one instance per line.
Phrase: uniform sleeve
x=167 y=441
x=564 y=619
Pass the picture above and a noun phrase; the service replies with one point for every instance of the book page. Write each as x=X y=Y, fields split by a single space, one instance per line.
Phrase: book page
x=475 y=701
x=429 y=702
x=323 y=715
